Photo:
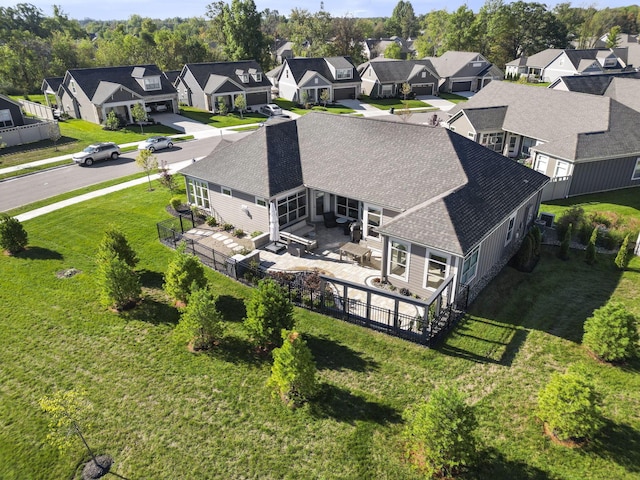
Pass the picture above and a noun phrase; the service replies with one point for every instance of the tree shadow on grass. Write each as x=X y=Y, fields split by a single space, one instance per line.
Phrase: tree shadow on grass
x=618 y=443
x=151 y=279
x=331 y=355
x=233 y=309
x=233 y=349
x=39 y=253
x=343 y=406
x=154 y=312
x=492 y=464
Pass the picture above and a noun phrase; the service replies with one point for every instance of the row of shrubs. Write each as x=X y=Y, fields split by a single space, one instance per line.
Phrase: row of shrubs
x=611 y=228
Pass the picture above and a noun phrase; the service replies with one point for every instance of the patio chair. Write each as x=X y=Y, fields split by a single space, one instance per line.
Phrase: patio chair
x=330 y=219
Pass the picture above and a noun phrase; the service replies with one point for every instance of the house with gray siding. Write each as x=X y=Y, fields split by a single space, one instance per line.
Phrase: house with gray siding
x=553 y=63
x=384 y=78
x=204 y=85
x=91 y=93
x=464 y=71
x=432 y=203
x=585 y=143
x=304 y=79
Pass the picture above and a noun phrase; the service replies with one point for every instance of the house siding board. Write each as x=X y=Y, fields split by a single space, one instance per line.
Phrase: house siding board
x=229 y=210
x=197 y=92
x=462 y=125
x=603 y=175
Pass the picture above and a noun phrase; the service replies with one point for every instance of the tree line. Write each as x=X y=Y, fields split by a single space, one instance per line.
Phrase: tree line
x=34 y=46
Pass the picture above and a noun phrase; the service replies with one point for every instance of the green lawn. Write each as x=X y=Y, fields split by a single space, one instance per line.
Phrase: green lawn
x=76 y=135
x=334 y=108
x=387 y=103
x=221 y=121
x=452 y=97
x=162 y=412
x=625 y=202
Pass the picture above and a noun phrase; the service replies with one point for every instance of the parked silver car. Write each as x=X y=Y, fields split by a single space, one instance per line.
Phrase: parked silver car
x=155 y=143
x=96 y=152
x=271 y=109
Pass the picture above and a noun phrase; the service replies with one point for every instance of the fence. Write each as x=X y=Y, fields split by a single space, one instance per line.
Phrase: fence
x=34 y=132
x=428 y=324
x=37 y=109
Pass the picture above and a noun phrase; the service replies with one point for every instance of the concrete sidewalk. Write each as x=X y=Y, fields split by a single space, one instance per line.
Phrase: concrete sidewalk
x=97 y=193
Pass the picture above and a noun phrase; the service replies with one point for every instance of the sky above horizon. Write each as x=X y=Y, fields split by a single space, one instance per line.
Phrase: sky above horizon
x=123 y=9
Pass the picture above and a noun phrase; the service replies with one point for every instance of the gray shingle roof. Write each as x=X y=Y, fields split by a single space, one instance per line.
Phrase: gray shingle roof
x=451 y=62
x=542 y=113
x=397 y=71
x=625 y=90
x=543 y=58
x=486 y=119
x=264 y=164
x=202 y=71
x=88 y=79
x=593 y=84
x=452 y=190
x=300 y=66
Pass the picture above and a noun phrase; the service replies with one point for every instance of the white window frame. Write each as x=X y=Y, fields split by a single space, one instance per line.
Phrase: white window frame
x=226 y=191
x=394 y=247
x=344 y=73
x=367 y=227
x=471 y=135
x=471 y=264
x=258 y=77
x=6 y=120
x=347 y=209
x=424 y=74
x=261 y=202
x=446 y=263
x=564 y=165
x=288 y=213
x=636 y=170
x=152 y=83
x=198 y=192
x=542 y=160
x=511 y=227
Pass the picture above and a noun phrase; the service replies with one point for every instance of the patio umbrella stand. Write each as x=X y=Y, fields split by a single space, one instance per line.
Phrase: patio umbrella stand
x=274 y=231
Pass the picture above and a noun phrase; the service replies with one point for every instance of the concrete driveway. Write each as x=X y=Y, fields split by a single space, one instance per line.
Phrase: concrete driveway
x=364 y=109
x=439 y=103
x=186 y=125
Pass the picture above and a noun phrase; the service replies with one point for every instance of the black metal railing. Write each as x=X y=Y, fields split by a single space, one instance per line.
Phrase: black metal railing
x=432 y=320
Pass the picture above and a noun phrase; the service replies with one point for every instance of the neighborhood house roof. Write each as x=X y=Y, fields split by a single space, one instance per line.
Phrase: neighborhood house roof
x=397 y=71
x=452 y=191
x=300 y=66
x=202 y=71
x=564 y=121
x=626 y=91
x=451 y=62
x=592 y=84
x=90 y=80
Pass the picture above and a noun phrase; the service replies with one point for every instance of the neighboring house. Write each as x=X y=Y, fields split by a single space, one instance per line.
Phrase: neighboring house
x=624 y=40
x=308 y=77
x=464 y=71
x=283 y=50
x=592 y=84
x=552 y=63
x=91 y=93
x=585 y=143
x=203 y=85
x=375 y=47
x=10 y=113
x=50 y=86
x=384 y=78
x=432 y=203
x=172 y=76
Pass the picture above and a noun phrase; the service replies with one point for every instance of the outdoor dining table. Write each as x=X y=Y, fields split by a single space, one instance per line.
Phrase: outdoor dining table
x=358 y=252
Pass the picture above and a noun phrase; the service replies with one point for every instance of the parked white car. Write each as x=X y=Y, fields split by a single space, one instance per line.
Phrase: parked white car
x=271 y=109
x=155 y=143
x=98 y=151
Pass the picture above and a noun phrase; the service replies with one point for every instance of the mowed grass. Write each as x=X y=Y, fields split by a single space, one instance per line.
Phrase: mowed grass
x=76 y=135
x=162 y=412
x=625 y=203
x=335 y=108
x=397 y=103
x=221 y=121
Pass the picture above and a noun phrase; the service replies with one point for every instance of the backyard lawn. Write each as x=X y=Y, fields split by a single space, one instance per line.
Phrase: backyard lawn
x=163 y=412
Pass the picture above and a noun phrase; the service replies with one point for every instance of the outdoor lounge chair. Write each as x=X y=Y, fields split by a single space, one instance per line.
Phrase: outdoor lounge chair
x=330 y=219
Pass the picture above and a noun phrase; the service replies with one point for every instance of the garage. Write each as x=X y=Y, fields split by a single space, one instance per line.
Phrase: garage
x=423 y=89
x=257 y=98
x=461 y=86
x=344 y=93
